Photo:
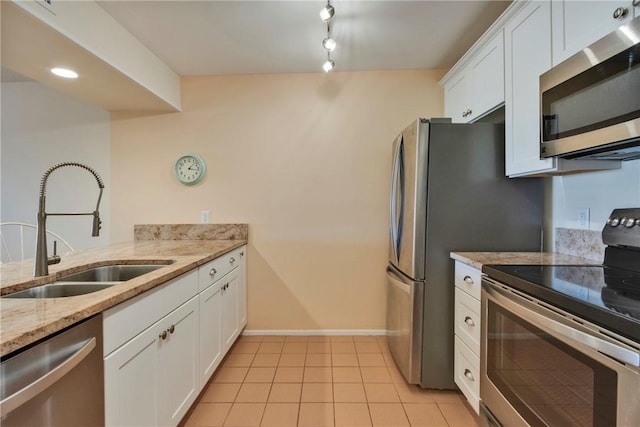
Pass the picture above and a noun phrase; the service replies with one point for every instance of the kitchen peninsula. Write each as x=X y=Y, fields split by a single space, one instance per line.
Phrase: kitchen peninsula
x=185 y=247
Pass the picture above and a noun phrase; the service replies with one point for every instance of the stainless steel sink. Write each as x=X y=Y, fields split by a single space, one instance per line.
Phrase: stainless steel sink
x=87 y=281
x=110 y=273
x=59 y=290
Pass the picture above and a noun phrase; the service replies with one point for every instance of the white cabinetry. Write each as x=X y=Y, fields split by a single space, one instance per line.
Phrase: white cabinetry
x=162 y=346
x=479 y=87
x=527 y=55
x=577 y=24
x=151 y=377
x=467 y=332
x=222 y=308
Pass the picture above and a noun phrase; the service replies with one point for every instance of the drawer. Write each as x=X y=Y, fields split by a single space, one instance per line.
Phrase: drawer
x=216 y=269
x=468 y=278
x=467 y=373
x=467 y=320
x=128 y=319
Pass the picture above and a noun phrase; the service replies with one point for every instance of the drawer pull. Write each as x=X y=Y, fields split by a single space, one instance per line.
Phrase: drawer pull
x=212 y=272
x=468 y=280
x=232 y=260
x=469 y=375
x=469 y=321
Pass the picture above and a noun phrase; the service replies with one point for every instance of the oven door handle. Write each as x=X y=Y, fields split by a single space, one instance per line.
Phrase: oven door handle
x=511 y=301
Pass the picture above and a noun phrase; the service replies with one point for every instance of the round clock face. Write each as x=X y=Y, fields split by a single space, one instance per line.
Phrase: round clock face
x=190 y=169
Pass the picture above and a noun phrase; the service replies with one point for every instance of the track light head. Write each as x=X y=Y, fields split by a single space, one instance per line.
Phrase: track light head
x=327 y=12
x=328 y=65
x=329 y=44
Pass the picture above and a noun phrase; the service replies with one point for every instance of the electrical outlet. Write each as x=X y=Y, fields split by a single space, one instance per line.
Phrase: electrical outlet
x=583 y=218
x=204 y=217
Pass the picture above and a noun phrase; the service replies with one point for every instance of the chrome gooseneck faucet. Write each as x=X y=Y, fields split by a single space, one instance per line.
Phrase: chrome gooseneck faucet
x=42 y=260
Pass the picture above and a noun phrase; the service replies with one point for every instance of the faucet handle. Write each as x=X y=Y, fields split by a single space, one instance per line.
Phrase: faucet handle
x=55 y=258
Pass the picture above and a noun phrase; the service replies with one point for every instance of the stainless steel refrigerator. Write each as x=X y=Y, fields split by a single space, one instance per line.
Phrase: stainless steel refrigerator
x=448 y=193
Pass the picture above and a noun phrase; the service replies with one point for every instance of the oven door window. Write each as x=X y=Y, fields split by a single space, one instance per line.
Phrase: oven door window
x=602 y=96
x=548 y=382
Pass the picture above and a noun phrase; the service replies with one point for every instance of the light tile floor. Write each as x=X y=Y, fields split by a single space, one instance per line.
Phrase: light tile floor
x=311 y=381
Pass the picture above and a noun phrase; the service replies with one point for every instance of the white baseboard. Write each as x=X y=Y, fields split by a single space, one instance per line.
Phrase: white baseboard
x=314 y=332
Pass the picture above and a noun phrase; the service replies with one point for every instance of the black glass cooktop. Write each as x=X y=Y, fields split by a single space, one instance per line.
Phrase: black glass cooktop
x=609 y=297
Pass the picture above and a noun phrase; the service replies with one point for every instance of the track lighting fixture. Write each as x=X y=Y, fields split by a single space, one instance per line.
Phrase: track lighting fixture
x=328 y=43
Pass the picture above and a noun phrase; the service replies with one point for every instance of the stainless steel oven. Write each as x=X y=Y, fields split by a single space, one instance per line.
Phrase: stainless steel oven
x=542 y=366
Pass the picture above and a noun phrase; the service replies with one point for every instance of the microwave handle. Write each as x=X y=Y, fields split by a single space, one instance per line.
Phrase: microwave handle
x=549 y=127
x=510 y=301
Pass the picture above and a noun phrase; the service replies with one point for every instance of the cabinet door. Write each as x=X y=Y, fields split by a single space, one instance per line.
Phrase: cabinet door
x=210 y=334
x=577 y=24
x=527 y=55
x=487 y=78
x=131 y=381
x=230 y=327
x=178 y=378
x=456 y=98
x=242 y=289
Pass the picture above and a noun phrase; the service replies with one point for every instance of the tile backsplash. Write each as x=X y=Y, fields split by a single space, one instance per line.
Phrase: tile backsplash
x=582 y=243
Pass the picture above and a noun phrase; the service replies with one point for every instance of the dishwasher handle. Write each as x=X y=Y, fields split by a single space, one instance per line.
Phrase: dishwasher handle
x=38 y=386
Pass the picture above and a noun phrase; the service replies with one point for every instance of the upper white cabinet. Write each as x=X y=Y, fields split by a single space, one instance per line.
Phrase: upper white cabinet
x=527 y=55
x=577 y=24
x=479 y=87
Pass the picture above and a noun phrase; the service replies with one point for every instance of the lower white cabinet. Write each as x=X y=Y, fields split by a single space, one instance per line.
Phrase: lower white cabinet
x=210 y=332
x=466 y=363
x=230 y=323
x=163 y=346
x=152 y=379
x=223 y=309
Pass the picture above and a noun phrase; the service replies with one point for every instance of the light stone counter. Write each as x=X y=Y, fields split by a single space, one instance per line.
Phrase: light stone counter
x=478 y=259
x=24 y=321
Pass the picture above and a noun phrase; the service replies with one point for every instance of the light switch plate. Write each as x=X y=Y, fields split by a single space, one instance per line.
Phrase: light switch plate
x=204 y=217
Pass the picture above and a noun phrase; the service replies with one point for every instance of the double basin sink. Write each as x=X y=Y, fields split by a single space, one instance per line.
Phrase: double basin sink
x=87 y=281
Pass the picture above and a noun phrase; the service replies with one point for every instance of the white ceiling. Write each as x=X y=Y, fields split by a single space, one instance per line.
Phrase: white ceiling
x=231 y=37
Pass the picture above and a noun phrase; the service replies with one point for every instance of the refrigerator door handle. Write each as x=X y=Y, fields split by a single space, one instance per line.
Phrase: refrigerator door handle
x=393 y=205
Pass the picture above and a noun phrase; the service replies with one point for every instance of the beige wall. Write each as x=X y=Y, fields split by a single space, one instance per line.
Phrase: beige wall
x=304 y=159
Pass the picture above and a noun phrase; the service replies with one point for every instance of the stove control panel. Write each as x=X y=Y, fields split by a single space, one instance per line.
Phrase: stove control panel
x=623 y=228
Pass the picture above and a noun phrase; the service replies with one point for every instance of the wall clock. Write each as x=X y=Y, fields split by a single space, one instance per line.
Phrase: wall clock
x=190 y=169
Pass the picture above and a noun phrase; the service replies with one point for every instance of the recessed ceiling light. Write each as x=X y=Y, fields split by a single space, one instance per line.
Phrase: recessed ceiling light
x=64 y=72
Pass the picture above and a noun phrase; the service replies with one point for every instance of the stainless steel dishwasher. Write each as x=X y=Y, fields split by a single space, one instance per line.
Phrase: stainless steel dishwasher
x=58 y=381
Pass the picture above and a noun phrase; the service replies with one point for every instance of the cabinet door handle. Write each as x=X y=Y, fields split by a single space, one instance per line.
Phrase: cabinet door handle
x=212 y=272
x=469 y=321
x=469 y=375
x=163 y=335
x=171 y=329
x=620 y=12
x=242 y=253
x=636 y=3
x=468 y=280
x=232 y=260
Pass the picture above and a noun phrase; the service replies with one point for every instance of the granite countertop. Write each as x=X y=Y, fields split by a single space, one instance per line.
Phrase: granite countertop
x=478 y=259
x=24 y=321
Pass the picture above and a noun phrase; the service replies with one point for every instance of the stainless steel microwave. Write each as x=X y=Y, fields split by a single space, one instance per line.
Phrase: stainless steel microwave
x=590 y=103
